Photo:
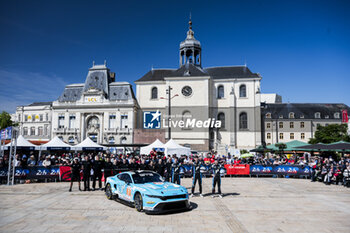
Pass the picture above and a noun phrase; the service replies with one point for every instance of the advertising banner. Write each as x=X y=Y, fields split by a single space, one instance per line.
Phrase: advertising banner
x=38 y=172
x=290 y=170
x=241 y=169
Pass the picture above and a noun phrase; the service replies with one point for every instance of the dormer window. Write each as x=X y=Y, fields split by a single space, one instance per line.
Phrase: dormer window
x=337 y=115
x=291 y=115
x=301 y=116
x=317 y=115
x=326 y=116
x=268 y=115
x=281 y=116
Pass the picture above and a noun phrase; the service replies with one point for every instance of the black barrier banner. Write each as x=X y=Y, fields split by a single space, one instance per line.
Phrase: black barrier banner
x=290 y=170
x=38 y=172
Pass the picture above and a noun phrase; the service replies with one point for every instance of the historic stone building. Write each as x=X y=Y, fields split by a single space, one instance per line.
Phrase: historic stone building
x=284 y=122
x=100 y=108
x=228 y=94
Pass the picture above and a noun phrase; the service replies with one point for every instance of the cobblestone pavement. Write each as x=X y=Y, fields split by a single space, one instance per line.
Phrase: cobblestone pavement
x=249 y=205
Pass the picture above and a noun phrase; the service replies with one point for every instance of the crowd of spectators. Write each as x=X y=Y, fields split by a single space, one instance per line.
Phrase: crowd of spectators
x=327 y=170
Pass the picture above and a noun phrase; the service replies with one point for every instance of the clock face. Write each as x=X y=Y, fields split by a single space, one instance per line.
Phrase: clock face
x=186 y=91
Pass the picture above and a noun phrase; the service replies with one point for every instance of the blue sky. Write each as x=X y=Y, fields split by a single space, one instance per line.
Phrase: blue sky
x=301 y=48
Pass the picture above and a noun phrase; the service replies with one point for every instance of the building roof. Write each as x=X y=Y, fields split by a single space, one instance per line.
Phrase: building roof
x=304 y=110
x=192 y=70
x=40 y=103
x=100 y=80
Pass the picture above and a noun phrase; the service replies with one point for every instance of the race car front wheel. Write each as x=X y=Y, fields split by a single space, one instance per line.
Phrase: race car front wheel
x=108 y=192
x=138 y=202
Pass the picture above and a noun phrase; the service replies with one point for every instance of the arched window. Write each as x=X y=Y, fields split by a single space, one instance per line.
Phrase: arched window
x=291 y=115
x=221 y=117
x=221 y=93
x=186 y=115
x=243 y=120
x=337 y=115
x=317 y=115
x=154 y=93
x=123 y=140
x=111 y=140
x=243 y=91
x=71 y=140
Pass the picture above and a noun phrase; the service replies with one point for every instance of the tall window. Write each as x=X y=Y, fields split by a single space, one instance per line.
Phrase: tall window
x=291 y=136
x=72 y=122
x=221 y=93
x=291 y=125
x=41 y=117
x=243 y=120
x=46 y=130
x=280 y=125
x=25 y=117
x=302 y=124
x=33 y=117
x=302 y=136
x=221 y=117
x=25 y=130
x=60 y=122
x=32 y=130
x=268 y=136
x=243 y=91
x=281 y=135
x=124 y=121
x=154 y=93
x=268 y=125
x=40 y=131
x=47 y=117
x=111 y=122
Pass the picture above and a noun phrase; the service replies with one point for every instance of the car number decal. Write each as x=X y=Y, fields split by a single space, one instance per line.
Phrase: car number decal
x=128 y=191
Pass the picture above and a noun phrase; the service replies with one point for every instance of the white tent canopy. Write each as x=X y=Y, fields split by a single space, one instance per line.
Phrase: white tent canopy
x=157 y=144
x=171 y=147
x=88 y=144
x=55 y=144
x=22 y=144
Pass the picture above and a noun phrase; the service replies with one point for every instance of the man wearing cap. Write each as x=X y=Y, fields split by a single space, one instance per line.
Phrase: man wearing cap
x=197 y=176
x=216 y=168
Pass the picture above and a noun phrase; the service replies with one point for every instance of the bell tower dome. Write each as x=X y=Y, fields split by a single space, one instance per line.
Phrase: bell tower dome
x=190 y=49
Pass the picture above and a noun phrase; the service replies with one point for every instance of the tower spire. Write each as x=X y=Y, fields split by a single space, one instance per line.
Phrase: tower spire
x=190 y=22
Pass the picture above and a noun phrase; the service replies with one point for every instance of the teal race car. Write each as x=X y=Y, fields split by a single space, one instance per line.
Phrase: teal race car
x=147 y=191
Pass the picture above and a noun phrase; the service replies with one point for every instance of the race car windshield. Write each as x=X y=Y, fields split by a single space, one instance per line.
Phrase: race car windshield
x=141 y=178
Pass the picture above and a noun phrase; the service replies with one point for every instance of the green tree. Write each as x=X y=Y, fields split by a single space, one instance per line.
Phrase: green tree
x=281 y=147
x=5 y=120
x=331 y=133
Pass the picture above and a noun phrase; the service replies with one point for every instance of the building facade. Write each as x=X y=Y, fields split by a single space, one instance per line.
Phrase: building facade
x=100 y=108
x=34 y=121
x=230 y=95
x=284 y=122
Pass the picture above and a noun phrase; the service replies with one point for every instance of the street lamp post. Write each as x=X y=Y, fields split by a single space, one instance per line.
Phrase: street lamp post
x=168 y=92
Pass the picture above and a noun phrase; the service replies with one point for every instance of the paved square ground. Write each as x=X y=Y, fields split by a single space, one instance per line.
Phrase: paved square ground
x=250 y=205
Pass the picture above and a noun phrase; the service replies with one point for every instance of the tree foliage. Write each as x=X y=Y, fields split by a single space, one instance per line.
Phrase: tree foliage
x=281 y=146
x=5 y=120
x=331 y=133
